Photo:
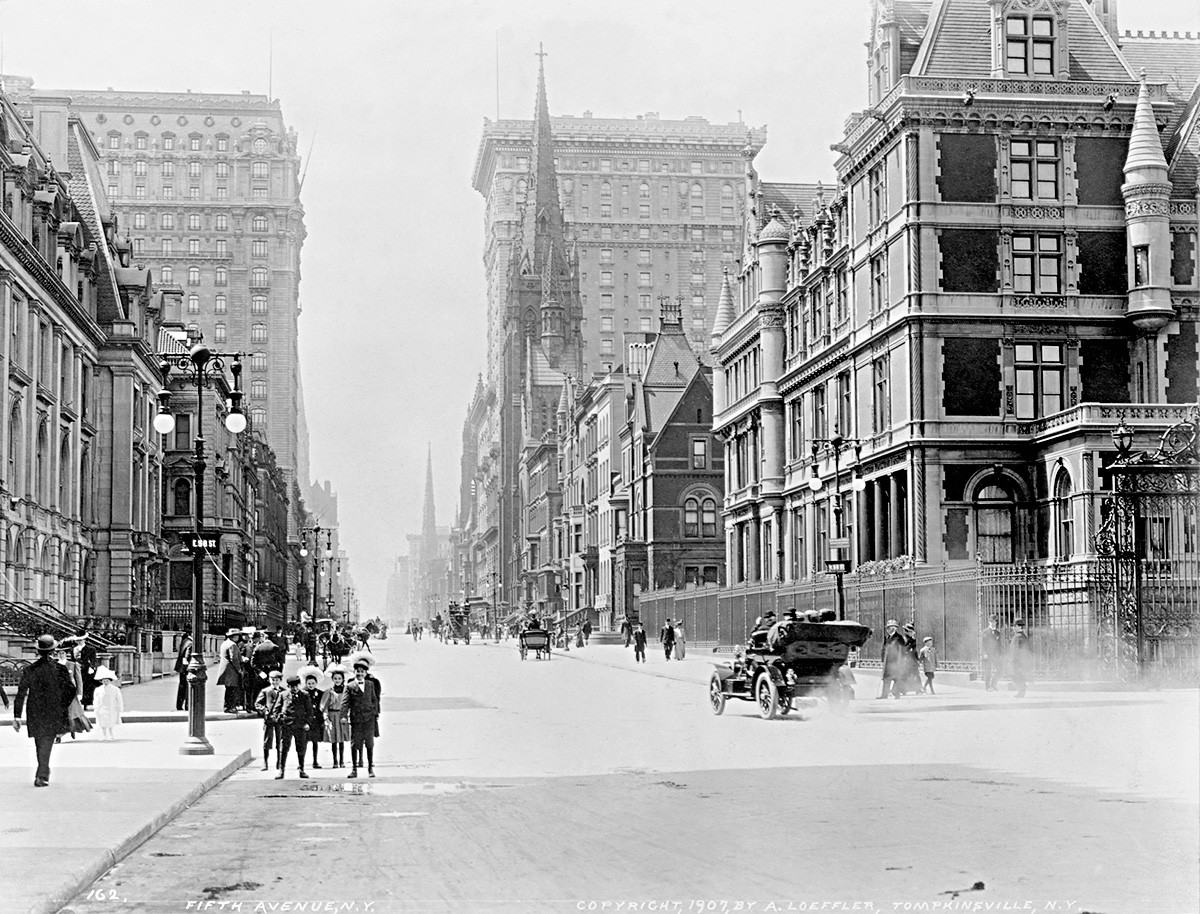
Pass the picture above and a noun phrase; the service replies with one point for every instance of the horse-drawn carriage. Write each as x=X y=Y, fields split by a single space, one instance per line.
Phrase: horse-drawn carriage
x=804 y=658
x=536 y=640
x=458 y=626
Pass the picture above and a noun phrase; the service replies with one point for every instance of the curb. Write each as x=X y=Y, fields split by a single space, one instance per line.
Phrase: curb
x=166 y=717
x=110 y=857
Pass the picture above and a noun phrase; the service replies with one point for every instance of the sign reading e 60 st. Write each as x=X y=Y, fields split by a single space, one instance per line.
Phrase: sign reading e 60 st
x=201 y=542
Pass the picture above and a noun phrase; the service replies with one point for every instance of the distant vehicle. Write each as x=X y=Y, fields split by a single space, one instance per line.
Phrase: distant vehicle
x=811 y=660
x=536 y=640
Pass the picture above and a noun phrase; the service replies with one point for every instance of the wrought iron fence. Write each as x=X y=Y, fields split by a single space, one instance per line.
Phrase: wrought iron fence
x=176 y=616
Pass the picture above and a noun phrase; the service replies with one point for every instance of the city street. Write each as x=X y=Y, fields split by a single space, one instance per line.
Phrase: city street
x=584 y=781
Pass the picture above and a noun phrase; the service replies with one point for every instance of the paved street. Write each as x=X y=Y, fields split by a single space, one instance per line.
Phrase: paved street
x=540 y=786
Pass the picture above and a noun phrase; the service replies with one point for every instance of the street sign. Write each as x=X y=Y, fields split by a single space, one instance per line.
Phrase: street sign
x=839 y=542
x=201 y=542
x=838 y=566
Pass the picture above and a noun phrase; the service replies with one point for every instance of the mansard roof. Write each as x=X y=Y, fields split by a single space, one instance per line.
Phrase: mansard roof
x=1174 y=61
x=85 y=187
x=958 y=43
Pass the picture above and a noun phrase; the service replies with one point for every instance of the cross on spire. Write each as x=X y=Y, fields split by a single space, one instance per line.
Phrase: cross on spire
x=541 y=55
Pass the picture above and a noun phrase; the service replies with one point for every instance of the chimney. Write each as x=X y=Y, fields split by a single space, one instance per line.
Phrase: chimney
x=50 y=126
x=671 y=318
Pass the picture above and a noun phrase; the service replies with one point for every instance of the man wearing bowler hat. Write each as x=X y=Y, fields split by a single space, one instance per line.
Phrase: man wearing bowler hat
x=50 y=690
x=231 y=672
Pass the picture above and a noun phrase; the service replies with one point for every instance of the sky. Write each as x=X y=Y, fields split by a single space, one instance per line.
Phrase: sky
x=390 y=97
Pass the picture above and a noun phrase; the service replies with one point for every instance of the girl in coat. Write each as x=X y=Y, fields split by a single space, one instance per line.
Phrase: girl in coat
x=109 y=702
x=336 y=711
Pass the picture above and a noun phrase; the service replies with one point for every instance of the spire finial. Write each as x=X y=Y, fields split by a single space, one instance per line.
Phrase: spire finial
x=540 y=55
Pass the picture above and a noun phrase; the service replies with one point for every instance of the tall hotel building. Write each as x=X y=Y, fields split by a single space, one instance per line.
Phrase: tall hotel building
x=207 y=188
x=653 y=207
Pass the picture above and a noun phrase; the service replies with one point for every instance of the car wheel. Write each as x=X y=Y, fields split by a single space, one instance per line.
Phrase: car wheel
x=716 y=697
x=767 y=694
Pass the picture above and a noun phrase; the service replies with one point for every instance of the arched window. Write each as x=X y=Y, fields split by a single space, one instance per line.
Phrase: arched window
x=1064 y=515
x=258 y=416
x=727 y=201
x=258 y=361
x=708 y=517
x=258 y=304
x=258 y=276
x=995 y=524
x=85 y=483
x=64 y=476
x=183 y=498
x=222 y=276
x=258 y=333
x=606 y=191
x=167 y=274
x=258 y=224
x=41 y=466
x=220 y=304
x=643 y=191
x=258 y=390
x=14 y=450
x=193 y=276
x=697 y=194
x=691 y=517
x=193 y=304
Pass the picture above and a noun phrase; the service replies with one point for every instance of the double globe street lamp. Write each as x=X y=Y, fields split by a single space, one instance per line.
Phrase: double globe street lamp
x=838 y=562
x=316 y=551
x=201 y=366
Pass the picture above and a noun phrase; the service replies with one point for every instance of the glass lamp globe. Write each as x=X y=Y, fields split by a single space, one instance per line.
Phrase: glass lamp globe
x=859 y=484
x=236 y=422
x=815 y=483
x=303 y=551
x=164 y=423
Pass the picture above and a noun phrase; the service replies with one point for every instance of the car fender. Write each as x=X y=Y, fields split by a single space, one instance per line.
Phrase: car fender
x=722 y=671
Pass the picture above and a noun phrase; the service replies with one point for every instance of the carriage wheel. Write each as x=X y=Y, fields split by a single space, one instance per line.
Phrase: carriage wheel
x=785 y=706
x=716 y=697
x=767 y=694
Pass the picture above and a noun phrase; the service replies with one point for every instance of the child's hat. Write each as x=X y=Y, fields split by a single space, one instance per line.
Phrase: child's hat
x=927 y=638
x=105 y=673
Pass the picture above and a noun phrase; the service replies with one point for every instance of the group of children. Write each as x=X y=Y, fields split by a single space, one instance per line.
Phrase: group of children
x=303 y=713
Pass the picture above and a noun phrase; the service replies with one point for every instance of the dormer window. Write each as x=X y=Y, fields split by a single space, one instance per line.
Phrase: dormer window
x=1029 y=45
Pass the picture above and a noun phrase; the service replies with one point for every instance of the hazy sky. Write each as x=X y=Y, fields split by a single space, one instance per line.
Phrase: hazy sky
x=394 y=94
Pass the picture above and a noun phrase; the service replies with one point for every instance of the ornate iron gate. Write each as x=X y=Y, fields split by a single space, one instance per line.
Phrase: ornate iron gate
x=1148 y=545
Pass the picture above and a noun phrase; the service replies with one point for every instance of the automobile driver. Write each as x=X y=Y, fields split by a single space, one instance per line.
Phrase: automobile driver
x=782 y=632
x=762 y=626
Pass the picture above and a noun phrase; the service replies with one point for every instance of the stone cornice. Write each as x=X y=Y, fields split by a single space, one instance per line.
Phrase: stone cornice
x=24 y=253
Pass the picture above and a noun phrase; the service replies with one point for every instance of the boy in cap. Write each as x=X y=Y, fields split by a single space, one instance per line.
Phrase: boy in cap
x=294 y=714
x=265 y=706
x=928 y=657
x=363 y=698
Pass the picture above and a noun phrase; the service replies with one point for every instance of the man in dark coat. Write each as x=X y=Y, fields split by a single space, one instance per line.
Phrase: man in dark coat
x=262 y=662
x=892 y=657
x=626 y=631
x=667 y=637
x=49 y=689
x=182 y=659
x=88 y=662
x=993 y=654
x=231 y=675
x=295 y=717
x=639 y=643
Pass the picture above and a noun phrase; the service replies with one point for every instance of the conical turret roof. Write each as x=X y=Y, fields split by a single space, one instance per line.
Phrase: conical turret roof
x=725 y=311
x=1145 y=145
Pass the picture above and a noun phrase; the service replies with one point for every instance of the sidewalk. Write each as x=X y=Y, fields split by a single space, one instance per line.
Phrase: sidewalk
x=105 y=799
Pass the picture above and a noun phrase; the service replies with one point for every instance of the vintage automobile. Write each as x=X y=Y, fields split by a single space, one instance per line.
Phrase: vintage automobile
x=809 y=660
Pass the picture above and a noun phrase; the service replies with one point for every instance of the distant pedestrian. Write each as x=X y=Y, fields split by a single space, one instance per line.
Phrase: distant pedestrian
x=911 y=680
x=1020 y=658
x=49 y=690
x=639 y=644
x=891 y=657
x=110 y=704
x=231 y=673
x=294 y=714
x=364 y=637
x=928 y=657
x=680 y=641
x=182 y=659
x=310 y=644
x=993 y=654
x=336 y=711
x=579 y=636
x=364 y=717
x=626 y=631
x=667 y=638
x=587 y=630
x=265 y=706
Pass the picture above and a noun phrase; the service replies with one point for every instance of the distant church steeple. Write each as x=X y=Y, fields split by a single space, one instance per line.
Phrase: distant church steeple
x=429 y=519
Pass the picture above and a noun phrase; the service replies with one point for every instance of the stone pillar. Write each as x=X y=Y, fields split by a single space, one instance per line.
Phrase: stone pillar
x=880 y=519
x=896 y=529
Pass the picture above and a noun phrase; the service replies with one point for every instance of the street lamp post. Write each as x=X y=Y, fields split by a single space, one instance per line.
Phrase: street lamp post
x=316 y=554
x=838 y=562
x=199 y=364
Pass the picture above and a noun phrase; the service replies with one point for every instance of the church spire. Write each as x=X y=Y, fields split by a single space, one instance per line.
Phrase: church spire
x=543 y=212
x=429 y=519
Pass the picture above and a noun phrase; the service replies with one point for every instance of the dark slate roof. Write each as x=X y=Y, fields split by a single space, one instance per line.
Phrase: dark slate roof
x=1183 y=149
x=789 y=197
x=93 y=206
x=912 y=16
x=961 y=35
x=1174 y=61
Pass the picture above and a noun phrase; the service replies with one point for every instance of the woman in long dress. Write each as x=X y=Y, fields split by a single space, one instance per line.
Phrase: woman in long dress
x=336 y=711
x=76 y=717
